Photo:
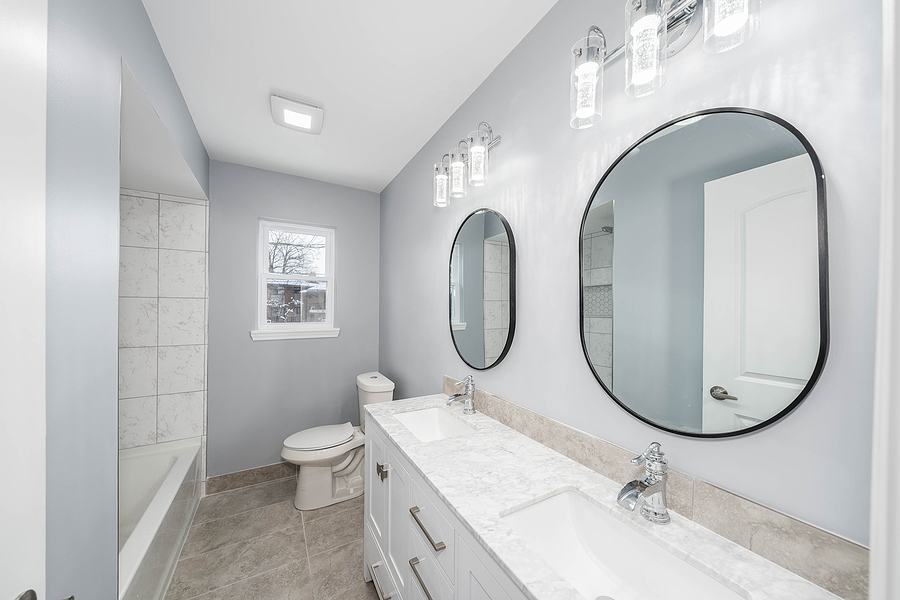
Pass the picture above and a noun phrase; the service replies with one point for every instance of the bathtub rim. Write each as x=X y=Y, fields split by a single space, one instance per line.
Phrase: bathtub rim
x=133 y=552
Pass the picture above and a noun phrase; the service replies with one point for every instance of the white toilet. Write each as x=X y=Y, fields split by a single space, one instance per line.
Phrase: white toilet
x=331 y=456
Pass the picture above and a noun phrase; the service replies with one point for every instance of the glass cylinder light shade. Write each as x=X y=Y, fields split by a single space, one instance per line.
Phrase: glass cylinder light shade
x=645 y=46
x=728 y=23
x=478 y=157
x=457 y=173
x=586 y=87
x=440 y=186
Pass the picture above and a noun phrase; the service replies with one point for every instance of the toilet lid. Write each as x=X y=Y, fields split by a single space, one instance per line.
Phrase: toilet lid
x=318 y=438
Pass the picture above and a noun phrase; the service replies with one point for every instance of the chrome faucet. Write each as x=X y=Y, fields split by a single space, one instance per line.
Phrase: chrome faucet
x=468 y=395
x=651 y=489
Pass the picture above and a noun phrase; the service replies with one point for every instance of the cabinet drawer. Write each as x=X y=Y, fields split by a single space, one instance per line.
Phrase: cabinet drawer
x=428 y=521
x=378 y=568
x=426 y=578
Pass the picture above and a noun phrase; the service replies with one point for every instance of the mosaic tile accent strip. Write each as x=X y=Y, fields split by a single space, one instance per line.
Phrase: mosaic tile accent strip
x=598 y=301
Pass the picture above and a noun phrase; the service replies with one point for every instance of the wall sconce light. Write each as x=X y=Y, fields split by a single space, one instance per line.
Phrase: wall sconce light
x=441 y=183
x=646 y=45
x=480 y=142
x=586 y=90
x=728 y=23
x=458 y=159
x=467 y=164
x=655 y=30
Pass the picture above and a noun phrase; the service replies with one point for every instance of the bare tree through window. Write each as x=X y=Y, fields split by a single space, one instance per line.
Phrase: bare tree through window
x=295 y=253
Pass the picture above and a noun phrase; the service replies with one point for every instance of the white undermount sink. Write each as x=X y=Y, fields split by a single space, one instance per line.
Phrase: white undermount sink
x=605 y=559
x=432 y=424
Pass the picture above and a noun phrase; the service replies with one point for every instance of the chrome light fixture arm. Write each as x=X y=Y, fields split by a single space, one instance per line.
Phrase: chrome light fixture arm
x=465 y=155
x=680 y=14
x=492 y=141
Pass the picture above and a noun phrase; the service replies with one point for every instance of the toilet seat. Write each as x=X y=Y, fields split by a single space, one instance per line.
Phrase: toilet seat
x=320 y=438
x=324 y=456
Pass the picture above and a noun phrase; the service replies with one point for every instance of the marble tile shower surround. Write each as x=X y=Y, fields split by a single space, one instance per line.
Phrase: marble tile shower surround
x=496 y=299
x=829 y=561
x=497 y=470
x=163 y=301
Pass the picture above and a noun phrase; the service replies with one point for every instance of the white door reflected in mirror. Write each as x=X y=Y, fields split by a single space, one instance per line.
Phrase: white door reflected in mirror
x=761 y=292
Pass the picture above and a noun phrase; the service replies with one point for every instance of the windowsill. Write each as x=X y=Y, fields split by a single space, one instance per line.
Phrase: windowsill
x=261 y=335
x=457 y=326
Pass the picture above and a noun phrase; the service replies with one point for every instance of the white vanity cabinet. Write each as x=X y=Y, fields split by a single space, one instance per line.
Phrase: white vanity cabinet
x=386 y=528
x=415 y=547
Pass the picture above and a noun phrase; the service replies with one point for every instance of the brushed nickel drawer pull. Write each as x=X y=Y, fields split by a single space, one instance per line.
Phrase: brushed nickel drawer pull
x=381 y=471
x=414 y=511
x=378 y=587
x=412 y=563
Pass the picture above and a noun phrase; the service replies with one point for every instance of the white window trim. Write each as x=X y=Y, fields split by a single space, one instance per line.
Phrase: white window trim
x=293 y=331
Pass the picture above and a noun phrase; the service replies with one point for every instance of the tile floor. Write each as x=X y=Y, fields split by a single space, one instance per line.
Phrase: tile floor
x=251 y=543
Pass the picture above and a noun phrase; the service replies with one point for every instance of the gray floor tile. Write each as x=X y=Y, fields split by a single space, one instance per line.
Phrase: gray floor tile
x=229 y=564
x=334 y=530
x=311 y=515
x=337 y=573
x=289 y=582
x=244 y=499
x=242 y=526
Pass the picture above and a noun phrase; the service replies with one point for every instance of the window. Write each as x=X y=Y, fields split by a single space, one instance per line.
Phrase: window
x=296 y=282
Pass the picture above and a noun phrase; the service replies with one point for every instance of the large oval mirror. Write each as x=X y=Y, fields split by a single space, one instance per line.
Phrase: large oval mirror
x=704 y=281
x=483 y=289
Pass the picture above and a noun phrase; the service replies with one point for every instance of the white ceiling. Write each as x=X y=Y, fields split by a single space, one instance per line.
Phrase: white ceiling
x=388 y=75
x=149 y=159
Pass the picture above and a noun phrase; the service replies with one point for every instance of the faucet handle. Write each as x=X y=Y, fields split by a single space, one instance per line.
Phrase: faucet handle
x=468 y=381
x=653 y=453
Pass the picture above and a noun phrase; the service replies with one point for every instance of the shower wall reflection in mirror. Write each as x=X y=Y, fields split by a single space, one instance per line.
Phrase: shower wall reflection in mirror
x=482 y=289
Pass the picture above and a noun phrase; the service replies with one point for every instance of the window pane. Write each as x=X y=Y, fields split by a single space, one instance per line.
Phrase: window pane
x=296 y=253
x=295 y=301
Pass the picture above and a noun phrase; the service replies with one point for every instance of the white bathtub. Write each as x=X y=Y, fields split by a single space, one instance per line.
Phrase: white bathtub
x=159 y=490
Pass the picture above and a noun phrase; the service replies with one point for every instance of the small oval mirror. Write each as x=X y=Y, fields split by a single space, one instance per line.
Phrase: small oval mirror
x=483 y=289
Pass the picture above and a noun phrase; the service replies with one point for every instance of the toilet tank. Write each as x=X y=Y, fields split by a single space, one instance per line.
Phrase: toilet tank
x=371 y=388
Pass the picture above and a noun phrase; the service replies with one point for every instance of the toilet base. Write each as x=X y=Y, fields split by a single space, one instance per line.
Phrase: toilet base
x=319 y=486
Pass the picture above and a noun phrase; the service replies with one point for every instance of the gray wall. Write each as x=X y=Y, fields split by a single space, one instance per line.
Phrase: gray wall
x=87 y=41
x=470 y=341
x=814 y=464
x=262 y=392
x=658 y=257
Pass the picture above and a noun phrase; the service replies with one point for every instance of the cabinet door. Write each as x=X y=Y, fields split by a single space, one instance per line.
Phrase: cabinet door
x=376 y=486
x=398 y=533
x=477 y=577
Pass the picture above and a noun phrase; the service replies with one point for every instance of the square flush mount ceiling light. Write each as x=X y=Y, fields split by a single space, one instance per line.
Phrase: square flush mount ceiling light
x=297 y=115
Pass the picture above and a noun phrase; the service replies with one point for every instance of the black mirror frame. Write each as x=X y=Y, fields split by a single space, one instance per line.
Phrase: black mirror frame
x=512 y=289
x=824 y=334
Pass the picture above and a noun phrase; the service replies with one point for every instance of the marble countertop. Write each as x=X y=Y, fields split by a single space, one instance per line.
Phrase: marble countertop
x=490 y=473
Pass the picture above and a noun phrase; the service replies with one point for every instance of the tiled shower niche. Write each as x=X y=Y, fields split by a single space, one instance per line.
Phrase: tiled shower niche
x=597 y=280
